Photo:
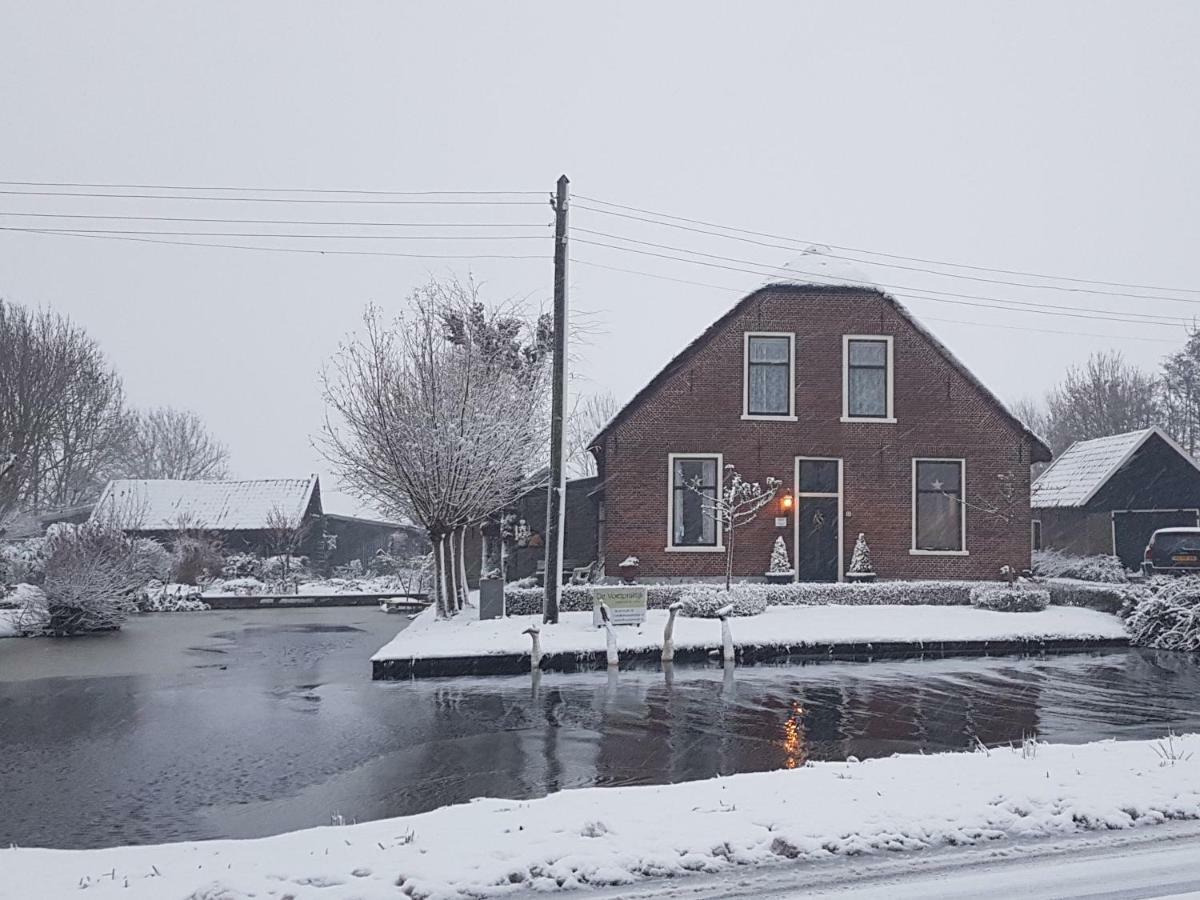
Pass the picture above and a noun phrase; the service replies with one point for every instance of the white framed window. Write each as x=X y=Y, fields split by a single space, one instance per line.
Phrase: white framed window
x=769 y=375
x=868 y=383
x=939 y=510
x=693 y=479
x=1035 y=534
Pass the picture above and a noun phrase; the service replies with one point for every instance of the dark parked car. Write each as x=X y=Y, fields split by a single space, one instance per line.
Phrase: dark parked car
x=1173 y=551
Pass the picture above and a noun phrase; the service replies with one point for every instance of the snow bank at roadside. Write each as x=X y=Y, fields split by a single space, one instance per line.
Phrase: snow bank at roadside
x=427 y=637
x=8 y=623
x=614 y=836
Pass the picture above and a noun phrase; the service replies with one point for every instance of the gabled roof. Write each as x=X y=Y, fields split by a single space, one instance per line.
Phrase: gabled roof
x=1039 y=451
x=1086 y=466
x=163 y=505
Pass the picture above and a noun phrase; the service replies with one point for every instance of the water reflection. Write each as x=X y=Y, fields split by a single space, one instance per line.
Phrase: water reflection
x=97 y=761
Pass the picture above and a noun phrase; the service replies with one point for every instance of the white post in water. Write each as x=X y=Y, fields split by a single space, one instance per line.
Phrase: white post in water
x=727 y=653
x=668 y=650
x=611 y=634
x=535 y=652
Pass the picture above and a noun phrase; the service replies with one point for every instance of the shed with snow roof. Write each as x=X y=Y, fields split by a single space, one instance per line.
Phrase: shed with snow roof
x=1109 y=494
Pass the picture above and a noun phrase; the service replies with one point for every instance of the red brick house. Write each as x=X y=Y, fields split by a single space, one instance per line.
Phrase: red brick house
x=867 y=419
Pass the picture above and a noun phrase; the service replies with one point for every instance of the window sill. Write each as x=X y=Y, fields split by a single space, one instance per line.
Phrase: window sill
x=939 y=552
x=717 y=549
x=747 y=417
x=866 y=420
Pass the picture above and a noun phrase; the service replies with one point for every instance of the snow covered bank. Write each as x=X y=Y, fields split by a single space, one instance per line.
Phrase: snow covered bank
x=614 y=836
x=797 y=627
x=8 y=623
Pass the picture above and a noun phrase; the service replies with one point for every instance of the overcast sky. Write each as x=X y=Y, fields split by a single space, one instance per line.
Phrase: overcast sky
x=1049 y=138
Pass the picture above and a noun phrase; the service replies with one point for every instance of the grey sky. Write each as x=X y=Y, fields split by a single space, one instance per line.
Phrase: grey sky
x=1054 y=138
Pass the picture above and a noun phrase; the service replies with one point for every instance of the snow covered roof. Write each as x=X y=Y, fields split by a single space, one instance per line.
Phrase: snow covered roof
x=163 y=505
x=1075 y=477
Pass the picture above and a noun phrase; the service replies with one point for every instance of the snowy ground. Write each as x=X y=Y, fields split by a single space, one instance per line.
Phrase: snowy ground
x=466 y=635
x=601 y=837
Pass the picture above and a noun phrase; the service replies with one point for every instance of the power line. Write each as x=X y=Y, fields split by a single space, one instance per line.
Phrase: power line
x=789 y=274
x=721 y=287
x=308 y=250
x=278 y=234
x=260 y=190
x=899 y=287
x=220 y=221
x=354 y=200
x=843 y=247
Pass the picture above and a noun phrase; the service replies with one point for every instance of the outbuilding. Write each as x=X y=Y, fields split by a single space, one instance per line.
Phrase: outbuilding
x=1109 y=494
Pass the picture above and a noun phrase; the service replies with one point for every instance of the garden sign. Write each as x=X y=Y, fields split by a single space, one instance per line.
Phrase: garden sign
x=626 y=604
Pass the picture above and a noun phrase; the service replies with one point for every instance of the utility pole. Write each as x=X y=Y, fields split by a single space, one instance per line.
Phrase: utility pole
x=556 y=489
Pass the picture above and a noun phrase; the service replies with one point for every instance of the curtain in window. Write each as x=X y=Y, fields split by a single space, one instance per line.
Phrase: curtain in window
x=693 y=481
x=867 y=379
x=770 y=376
x=939 y=506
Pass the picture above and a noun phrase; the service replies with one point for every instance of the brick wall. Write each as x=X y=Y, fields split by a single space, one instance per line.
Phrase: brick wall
x=697 y=408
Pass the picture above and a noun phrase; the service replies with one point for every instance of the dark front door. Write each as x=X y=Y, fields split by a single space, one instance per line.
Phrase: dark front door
x=1132 y=530
x=817 y=559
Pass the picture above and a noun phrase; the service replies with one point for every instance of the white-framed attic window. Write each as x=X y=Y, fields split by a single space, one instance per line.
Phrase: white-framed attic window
x=769 y=376
x=868 y=378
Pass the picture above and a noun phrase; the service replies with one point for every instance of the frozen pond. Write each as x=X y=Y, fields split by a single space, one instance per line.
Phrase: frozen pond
x=235 y=724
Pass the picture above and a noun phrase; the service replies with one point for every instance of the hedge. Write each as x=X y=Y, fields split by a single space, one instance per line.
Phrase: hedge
x=1107 y=598
x=1005 y=598
x=521 y=601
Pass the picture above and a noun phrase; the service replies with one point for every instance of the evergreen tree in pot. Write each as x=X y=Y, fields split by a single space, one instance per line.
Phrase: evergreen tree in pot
x=861 y=568
x=780 y=571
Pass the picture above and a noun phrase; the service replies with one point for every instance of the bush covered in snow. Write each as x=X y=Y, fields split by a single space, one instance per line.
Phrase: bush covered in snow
x=704 y=601
x=1002 y=598
x=23 y=562
x=1167 y=617
x=1054 y=564
x=159 y=597
x=194 y=560
x=242 y=565
x=92 y=576
x=151 y=560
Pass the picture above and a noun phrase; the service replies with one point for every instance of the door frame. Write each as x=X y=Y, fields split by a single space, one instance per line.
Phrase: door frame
x=840 y=495
x=1114 y=513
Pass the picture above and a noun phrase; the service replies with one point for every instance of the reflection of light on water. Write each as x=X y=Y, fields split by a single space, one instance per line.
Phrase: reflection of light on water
x=793 y=737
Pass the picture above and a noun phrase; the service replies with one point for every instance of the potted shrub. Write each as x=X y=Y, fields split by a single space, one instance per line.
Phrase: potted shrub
x=861 y=567
x=629 y=568
x=780 y=570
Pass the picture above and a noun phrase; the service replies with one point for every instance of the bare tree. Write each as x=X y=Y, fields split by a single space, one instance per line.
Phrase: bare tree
x=1179 y=393
x=1104 y=396
x=736 y=505
x=434 y=423
x=286 y=532
x=61 y=411
x=172 y=443
x=587 y=420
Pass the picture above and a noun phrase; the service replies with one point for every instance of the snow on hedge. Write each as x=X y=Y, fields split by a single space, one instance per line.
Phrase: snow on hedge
x=619 y=836
x=1055 y=564
x=527 y=601
x=1169 y=617
x=1010 y=599
x=796 y=626
x=707 y=601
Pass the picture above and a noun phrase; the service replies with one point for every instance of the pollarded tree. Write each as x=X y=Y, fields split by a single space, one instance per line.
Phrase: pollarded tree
x=736 y=505
x=435 y=423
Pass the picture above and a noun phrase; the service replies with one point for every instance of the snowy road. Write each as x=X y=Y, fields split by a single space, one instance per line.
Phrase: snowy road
x=1162 y=863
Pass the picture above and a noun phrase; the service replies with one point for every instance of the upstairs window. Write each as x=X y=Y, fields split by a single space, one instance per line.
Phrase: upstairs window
x=867 y=378
x=695 y=483
x=939 y=520
x=769 y=364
